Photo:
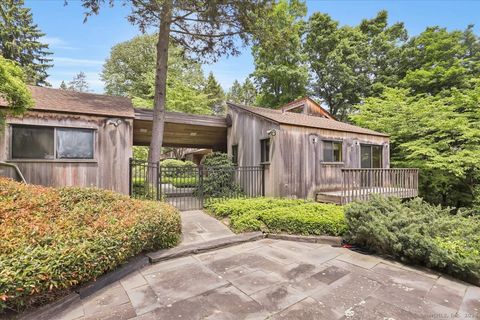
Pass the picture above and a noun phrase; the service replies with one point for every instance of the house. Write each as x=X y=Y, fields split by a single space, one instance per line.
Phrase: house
x=308 y=154
x=70 y=138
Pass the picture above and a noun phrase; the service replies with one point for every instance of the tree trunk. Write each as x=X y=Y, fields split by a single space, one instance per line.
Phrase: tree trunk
x=155 y=149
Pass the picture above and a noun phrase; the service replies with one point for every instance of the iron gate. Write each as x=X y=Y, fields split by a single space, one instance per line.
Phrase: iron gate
x=191 y=187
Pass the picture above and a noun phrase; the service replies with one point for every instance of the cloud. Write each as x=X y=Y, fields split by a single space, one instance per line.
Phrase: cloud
x=73 y=62
x=55 y=42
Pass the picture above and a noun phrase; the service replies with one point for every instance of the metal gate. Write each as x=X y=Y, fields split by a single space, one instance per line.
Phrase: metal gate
x=191 y=187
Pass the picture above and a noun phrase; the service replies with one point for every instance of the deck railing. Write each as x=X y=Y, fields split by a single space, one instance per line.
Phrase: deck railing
x=359 y=184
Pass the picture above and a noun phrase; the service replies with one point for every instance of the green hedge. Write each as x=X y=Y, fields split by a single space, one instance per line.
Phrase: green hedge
x=182 y=182
x=177 y=168
x=418 y=233
x=281 y=215
x=53 y=240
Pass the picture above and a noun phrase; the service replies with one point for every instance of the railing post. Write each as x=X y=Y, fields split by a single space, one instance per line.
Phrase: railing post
x=263 y=180
x=159 y=181
x=130 y=176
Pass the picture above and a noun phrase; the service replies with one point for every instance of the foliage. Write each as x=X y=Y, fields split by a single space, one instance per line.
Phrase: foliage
x=182 y=182
x=419 y=233
x=20 y=41
x=281 y=74
x=177 y=168
x=437 y=59
x=79 y=83
x=245 y=93
x=215 y=94
x=350 y=63
x=13 y=89
x=56 y=239
x=438 y=134
x=281 y=215
x=130 y=71
x=219 y=179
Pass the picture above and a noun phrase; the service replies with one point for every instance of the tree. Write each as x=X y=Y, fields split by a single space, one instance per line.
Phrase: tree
x=79 y=83
x=130 y=71
x=281 y=74
x=351 y=63
x=245 y=93
x=438 y=134
x=216 y=95
x=20 y=41
x=63 y=86
x=437 y=59
x=13 y=89
x=206 y=29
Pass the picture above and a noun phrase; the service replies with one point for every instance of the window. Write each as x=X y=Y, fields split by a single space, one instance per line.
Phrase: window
x=332 y=151
x=235 y=154
x=371 y=156
x=264 y=150
x=49 y=143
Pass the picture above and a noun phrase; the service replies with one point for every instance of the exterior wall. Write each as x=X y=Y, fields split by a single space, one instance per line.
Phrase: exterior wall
x=109 y=168
x=246 y=131
x=296 y=166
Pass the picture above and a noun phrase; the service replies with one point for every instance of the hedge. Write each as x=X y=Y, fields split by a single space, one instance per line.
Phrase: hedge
x=53 y=240
x=281 y=215
x=418 y=233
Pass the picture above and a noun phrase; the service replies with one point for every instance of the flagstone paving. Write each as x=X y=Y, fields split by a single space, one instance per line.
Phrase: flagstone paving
x=200 y=227
x=278 y=279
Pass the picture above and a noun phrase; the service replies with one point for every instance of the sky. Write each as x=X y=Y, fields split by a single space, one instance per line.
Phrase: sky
x=79 y=46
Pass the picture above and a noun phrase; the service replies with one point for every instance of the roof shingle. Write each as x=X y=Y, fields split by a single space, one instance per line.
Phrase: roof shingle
x=303 y=120
x=57 y=100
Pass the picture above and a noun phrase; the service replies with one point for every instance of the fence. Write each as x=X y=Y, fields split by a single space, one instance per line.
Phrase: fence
x=359 y=184
x=191 y=187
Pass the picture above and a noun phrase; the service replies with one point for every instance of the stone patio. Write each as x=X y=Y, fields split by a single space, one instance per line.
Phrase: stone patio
x=278 y=279
x=199 y=227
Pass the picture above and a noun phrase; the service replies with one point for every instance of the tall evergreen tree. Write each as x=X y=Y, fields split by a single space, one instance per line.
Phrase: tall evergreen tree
x=216 y=95
x=245 y=93
x=63 y=86
x=79 y=83
x=20 y=41
x=281 y=73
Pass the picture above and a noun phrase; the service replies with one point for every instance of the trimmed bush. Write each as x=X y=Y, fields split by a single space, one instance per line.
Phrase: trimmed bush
x=53 y=240
x=177 y=168
x=281 y=215
x=182 y=182
x=219 y=180
x=419 y=233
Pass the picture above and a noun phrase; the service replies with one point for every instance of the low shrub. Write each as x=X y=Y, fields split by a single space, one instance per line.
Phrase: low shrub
x=176 y=168
x=419 y=233
x=281 y=215
x=182 y=182
x=53 y=240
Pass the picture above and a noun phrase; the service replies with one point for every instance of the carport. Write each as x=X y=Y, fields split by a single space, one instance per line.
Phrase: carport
x=182 y=130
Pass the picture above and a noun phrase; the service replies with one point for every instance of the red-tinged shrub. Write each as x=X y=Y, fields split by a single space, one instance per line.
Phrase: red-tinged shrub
x=52 y=240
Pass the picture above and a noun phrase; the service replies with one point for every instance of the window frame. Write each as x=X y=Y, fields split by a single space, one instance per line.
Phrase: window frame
x=55 y=159
x=235 y=154
x=264 y=156
x=371 y=146
x=341 y=151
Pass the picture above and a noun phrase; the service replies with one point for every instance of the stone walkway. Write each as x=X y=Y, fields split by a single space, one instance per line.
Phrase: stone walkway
x=198 y=226
x=277 y=279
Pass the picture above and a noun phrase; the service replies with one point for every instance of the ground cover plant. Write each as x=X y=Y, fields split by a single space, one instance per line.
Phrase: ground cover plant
x=52 y=240
x=419 y=233
x=280 y=215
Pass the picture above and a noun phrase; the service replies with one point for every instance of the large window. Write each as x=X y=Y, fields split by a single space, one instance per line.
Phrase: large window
x=332 y=151
x=371 y=156
x=49 y=143
x=235 y=154
x=265 y=150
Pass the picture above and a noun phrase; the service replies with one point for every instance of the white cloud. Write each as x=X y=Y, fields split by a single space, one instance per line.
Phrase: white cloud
x=55 y=42
x=73 y=62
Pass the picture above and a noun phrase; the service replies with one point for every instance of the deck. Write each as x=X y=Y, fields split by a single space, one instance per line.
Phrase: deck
x=360 y=184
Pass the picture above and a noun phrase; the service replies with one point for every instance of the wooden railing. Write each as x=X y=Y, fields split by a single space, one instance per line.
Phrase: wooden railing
x=359 y=184
x=6 y=171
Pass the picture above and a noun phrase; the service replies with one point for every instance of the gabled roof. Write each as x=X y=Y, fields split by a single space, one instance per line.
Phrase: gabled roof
x=64 y=101
x=313 y=107
x=303 y=120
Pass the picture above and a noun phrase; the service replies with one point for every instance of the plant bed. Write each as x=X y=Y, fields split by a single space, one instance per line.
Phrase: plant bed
x=418 y=233
x=280 y=216
x=54 y=240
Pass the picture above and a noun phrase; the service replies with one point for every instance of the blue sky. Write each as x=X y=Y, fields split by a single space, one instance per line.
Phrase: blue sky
x=84 y=47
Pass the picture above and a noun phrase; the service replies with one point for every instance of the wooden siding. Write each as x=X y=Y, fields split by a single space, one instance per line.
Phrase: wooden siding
x=109 y=169
x=296 y=166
